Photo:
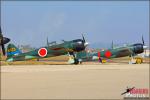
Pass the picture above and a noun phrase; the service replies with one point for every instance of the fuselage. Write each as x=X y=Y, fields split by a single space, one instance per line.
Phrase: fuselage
x=55 y=50
x=130 y=50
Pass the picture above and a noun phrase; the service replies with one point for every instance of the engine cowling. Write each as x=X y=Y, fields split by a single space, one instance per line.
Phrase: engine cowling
x=138 y=48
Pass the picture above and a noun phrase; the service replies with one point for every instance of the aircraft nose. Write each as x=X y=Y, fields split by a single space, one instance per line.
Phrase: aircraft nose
x=145 y=47
x=138 y=48
x=79 y=46
x=86 y=44
x=5 y=40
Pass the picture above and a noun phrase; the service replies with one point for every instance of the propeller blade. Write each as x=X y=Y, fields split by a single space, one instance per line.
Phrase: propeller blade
x=1 y=36
x=3 y=41
x=144 y=46
x=3 y=49
x=83 y=38
x=0 y=30
x=85 y=43
x=112 y=45
x=143 y=40
x=47 y=42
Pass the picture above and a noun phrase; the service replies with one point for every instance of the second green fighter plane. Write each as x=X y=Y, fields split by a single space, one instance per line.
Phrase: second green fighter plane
x=103 y=55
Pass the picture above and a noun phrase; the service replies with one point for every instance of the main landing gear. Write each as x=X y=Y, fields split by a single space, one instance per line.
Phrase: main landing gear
x=74 y=60
x=136 y=60
x=139 y=60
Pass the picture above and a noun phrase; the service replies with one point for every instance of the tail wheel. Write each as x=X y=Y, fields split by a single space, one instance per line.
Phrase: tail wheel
x=139 y=60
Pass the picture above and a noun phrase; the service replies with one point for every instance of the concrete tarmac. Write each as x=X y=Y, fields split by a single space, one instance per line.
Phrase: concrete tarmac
x=99 y=81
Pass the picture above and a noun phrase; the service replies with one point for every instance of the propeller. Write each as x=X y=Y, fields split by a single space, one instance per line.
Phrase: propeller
x=3 y=47
x=112 y=45
x=143 y=40
x=85 y=43
x=83 y=38
x=144 y=46
x=47 y=42
x=3 y=40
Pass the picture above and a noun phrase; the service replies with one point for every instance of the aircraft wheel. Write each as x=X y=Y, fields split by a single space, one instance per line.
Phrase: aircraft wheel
x=76 y=61
x=38 y=59
x=104 y=61
x=80 y=62
x=139 y=60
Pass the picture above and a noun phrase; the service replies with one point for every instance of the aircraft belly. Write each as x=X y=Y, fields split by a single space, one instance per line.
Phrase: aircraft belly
x=30 y=57
x=19 y=58
x=10 y=59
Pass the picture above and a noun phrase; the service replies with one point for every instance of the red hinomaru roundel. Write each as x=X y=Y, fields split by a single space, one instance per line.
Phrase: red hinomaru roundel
x=42 y=52
x=108 y=54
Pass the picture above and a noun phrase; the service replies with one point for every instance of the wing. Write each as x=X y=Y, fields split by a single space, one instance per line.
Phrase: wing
x=123 y=52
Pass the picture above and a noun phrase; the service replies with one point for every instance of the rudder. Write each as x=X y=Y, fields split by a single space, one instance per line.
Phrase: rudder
x=12 y=50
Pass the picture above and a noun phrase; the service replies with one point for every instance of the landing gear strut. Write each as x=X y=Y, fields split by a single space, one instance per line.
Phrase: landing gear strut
x=75 y=60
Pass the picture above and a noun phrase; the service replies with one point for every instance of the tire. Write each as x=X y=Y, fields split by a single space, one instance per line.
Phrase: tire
x=138 y=61
x=76 y=61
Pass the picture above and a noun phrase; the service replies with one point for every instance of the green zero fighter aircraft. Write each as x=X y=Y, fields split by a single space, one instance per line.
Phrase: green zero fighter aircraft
x=130 y=50
x=67 y=47
x=3 y=41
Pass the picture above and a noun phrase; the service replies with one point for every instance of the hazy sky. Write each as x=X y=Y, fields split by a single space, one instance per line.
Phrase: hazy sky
x=30 y=22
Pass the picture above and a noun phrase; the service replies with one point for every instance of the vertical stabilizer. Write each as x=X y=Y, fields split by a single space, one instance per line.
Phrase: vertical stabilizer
x=12 y=50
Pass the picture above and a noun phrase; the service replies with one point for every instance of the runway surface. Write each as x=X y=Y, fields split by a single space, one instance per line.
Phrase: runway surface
x=99 y=81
